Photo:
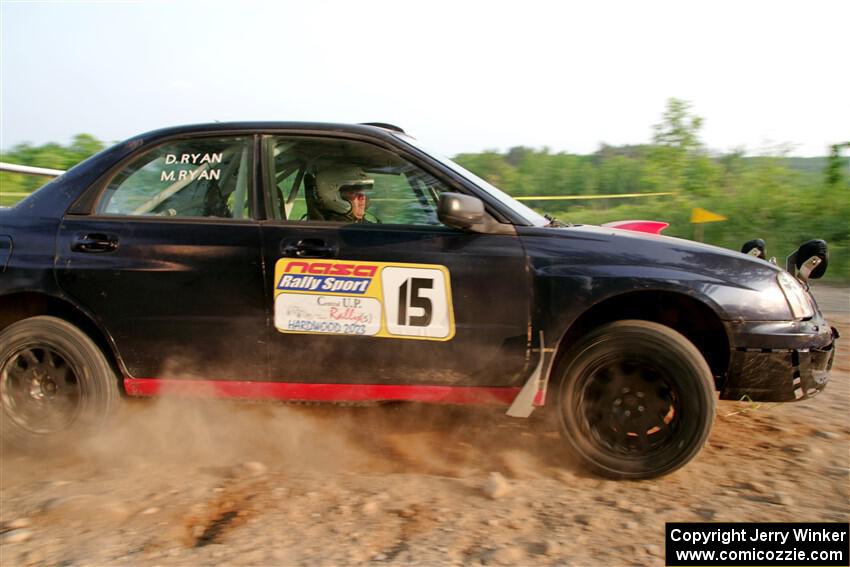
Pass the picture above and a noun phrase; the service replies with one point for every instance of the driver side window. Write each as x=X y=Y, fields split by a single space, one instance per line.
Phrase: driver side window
x=336 y=180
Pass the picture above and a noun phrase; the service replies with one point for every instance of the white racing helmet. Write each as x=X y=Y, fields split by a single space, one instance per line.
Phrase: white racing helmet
x=331 y=183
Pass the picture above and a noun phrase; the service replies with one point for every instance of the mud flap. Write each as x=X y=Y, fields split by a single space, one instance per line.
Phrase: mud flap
x=533 y=393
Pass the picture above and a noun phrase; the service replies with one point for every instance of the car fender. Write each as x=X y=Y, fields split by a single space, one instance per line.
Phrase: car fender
x=24 y=303
x=571 y=295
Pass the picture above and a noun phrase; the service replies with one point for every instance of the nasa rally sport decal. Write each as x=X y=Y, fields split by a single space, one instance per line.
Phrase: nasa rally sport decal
x=376 y=299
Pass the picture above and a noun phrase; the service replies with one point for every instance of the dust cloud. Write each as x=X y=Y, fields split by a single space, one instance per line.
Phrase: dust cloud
x=174 y=431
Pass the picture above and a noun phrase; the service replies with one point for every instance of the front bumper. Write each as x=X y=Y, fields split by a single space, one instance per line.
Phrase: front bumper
x=779 y=361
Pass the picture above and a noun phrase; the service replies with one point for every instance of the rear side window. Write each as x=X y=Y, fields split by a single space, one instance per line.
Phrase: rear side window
x=201 y=177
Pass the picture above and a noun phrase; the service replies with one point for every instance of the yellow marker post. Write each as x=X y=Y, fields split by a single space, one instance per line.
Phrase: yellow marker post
x=701 y=216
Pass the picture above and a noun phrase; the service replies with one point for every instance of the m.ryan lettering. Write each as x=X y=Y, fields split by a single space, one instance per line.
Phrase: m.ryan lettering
x=190 y=174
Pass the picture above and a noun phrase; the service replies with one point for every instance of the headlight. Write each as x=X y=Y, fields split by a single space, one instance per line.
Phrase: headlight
x=798 y=298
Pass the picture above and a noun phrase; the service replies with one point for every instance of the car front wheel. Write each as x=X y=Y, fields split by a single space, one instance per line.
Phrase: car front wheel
x=53 y=380
x=635 y=400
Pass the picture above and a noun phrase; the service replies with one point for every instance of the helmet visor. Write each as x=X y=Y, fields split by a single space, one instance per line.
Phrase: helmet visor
x=354 y=191
x=353 y=187
x=352 y=196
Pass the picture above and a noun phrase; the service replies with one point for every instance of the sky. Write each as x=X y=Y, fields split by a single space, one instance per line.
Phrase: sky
x=462 y=76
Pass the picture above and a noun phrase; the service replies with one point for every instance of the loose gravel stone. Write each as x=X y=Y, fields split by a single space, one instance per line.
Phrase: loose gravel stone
x=547 y=547
x=17 y=536
x=18 y=523
x=114 y=510
x=252 y=468
x=408 y=512
x=838 y=472
x=826 y=435
x=588 y=520
x=705 y=513
x=496 y=486
x=512 y=555
x=783 y=499
x=754 y=486
x=63 y=504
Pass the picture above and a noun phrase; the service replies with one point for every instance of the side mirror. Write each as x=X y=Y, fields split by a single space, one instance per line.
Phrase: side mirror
x=460 y=211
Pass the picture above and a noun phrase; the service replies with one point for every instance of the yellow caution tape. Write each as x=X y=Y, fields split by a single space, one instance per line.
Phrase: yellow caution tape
x=577 y=197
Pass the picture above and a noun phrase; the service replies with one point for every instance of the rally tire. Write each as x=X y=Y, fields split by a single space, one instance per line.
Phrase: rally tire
x=635 y=399
x=54 y=383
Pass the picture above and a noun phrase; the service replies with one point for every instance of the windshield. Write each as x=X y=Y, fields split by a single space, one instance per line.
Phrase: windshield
x=523 y=211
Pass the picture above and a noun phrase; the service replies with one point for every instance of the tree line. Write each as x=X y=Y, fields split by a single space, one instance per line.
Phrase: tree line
x=784 y=200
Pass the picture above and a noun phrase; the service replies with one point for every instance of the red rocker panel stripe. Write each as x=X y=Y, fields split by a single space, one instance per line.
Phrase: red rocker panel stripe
x=318 y=392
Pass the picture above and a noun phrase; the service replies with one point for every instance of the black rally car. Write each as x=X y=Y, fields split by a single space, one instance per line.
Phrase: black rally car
x=328 y=262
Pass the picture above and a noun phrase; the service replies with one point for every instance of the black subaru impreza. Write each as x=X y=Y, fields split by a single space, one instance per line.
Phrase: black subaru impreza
x=347 y=263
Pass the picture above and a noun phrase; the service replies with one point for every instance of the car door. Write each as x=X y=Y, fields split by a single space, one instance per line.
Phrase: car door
x=168 y=261
x=395 y=297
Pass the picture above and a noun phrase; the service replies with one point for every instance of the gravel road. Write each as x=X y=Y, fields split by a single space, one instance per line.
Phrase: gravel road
x=190 y=483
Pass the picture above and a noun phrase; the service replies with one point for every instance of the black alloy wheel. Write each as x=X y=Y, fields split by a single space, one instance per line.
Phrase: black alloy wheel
x=39 y=389
x=636 y=400
x=53 y=381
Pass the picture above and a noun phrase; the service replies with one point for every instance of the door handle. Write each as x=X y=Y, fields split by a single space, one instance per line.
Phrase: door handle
x=96 y=242
x=308 y=248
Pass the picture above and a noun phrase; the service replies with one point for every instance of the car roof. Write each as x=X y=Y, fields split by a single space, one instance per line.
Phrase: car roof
x=382 y=130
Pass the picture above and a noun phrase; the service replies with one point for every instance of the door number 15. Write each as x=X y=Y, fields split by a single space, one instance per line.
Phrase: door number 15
x=408 y=296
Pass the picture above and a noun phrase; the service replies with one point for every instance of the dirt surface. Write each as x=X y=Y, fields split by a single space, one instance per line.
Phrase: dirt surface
x=192 y=483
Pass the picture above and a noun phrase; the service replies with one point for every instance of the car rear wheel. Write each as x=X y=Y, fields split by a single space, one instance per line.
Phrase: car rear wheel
x=53 y=380
x=635 y=400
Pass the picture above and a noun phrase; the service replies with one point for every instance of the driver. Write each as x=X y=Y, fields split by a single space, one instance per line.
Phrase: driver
x=341 y=194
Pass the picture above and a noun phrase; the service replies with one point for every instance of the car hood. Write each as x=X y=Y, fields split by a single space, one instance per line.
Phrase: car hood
x=742 y=284
x=671 y=249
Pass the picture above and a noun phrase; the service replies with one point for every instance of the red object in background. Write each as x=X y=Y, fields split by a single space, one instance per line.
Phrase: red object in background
x=652 y=227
